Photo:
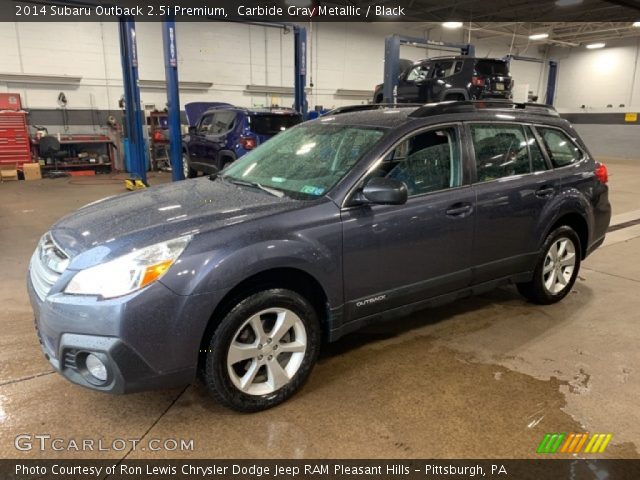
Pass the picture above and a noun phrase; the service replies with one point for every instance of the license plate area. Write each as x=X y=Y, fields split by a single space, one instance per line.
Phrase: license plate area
x=500 y=86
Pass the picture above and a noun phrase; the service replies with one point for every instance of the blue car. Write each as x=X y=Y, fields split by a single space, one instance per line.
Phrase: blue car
x=220 y=133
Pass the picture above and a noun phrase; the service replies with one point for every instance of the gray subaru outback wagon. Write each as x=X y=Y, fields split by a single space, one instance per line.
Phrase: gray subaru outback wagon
x=331 y=225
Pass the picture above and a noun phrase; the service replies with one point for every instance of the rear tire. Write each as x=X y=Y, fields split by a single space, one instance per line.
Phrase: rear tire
x=263 y=350
x=556 y=270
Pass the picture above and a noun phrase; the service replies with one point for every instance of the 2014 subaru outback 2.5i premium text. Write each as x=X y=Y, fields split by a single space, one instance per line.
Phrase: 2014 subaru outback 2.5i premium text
x=327 y=227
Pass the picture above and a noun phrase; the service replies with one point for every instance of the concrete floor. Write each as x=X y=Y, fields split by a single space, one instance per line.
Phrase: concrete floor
x=484 y=377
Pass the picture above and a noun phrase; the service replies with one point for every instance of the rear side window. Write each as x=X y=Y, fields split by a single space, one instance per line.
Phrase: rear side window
x=222 y=122
x=501 y=151
x=426 y=162
x=272 y=124
x=492 y=67
x=561 y=149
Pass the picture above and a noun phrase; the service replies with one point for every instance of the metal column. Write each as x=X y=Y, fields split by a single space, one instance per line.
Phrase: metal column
x=392 y=59
x=551 y=82
x=134 y=117
x=173 y=97
x=300 y=69
x=552 y=74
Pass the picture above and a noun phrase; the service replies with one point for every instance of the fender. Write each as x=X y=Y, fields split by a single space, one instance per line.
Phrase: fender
x=570 y=201
x=222 y=155
x=454 y=91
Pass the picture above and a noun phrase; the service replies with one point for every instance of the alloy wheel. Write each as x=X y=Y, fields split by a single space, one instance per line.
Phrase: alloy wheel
x=267 y=351
x=559 y=265
x=185 y=166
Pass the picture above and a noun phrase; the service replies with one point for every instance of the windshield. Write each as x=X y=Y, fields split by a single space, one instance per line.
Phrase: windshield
x=492 y=67
x=306 y=161
x=272 y=124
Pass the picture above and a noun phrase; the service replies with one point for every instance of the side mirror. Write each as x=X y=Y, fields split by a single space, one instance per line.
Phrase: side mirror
x=193 y=130
x=385 y=191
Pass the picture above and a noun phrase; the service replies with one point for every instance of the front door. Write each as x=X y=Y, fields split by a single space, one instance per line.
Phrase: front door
x=411 y=87
x=394 y=255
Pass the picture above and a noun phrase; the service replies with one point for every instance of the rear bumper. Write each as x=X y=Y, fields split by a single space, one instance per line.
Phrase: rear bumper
x=149 y=339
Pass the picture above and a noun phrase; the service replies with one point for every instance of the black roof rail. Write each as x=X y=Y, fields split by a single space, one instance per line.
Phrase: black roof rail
x=371 y=106
x=467 y=106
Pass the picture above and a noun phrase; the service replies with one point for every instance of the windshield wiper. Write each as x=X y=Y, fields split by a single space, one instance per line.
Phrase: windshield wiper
x=272 y=191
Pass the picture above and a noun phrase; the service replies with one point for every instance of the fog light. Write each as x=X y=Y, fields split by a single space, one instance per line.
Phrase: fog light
x=96 y=367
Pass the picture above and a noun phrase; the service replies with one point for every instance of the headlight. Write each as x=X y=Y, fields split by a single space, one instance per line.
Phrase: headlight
x=128 y=273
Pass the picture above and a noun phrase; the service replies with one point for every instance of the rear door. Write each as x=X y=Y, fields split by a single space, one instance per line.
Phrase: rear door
x=198 y=139
x=513 y=185
x=216 y=136
x=439 y=82
x=395 y=255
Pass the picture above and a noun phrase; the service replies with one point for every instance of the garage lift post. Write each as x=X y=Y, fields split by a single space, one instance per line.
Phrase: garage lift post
x=134 y=118
x=300 y=67
x=173 y=96
x=552 y=74
x=392 y=58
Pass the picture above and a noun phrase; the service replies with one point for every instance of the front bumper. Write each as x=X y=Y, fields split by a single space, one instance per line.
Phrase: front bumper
x=148 y=339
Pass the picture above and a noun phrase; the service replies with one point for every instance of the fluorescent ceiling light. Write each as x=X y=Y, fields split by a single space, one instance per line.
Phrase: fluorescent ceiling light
x=39 y=79
x=567 y=3
x=593 y=46
x=452 y=24
x=636 y=24
x=539 y=36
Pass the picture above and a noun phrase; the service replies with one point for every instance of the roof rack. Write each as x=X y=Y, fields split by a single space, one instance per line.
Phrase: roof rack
x=371 y=106
x=479 y=105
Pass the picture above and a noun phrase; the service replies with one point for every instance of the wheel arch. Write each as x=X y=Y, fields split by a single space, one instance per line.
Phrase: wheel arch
x=290 y=278
x=578 y=224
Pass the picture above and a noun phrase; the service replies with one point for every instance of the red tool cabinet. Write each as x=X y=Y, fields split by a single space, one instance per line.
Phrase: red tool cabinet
x=14 y=139
x=15 y=148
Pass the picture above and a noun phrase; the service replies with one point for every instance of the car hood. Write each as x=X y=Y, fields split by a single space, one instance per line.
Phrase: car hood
x=116 y=225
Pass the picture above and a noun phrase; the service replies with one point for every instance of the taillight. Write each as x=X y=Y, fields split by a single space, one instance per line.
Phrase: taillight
x=477 y=81
x=248 y=143
x=602 y=173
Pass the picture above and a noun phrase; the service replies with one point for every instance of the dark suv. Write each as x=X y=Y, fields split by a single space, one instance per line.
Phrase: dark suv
x=329 y=226
x=224 y=133
x=452 y=78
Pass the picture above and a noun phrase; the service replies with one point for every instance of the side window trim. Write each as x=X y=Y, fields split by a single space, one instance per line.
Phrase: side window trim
x=464 y=180
x=543 y=145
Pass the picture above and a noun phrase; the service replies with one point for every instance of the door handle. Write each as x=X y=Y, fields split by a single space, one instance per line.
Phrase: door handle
x=545 y=192
x=459 y=210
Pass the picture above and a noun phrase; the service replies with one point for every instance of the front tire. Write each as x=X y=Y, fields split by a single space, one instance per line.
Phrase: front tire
x=187 y=171
x=263 y=350
x=556 y=270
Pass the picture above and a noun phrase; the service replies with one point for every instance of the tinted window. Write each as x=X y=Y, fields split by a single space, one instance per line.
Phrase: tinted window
x=501 y=151
x=492 y=67
x=272 y=124
x=443 y=69
x=458 y=67
x=418 y=73
x=560 y=147
x=306 y=161
x=426 y=162
x=538 y=163
x=205 y=123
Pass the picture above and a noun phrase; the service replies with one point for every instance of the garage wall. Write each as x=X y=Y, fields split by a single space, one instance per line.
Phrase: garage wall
x=230 y=55
x=598 y=78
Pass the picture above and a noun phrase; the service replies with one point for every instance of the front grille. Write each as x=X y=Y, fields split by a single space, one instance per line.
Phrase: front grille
x=47 y=264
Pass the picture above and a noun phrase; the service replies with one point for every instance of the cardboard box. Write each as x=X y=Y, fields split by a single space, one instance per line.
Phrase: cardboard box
x=8 y=174
x=31 y=171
